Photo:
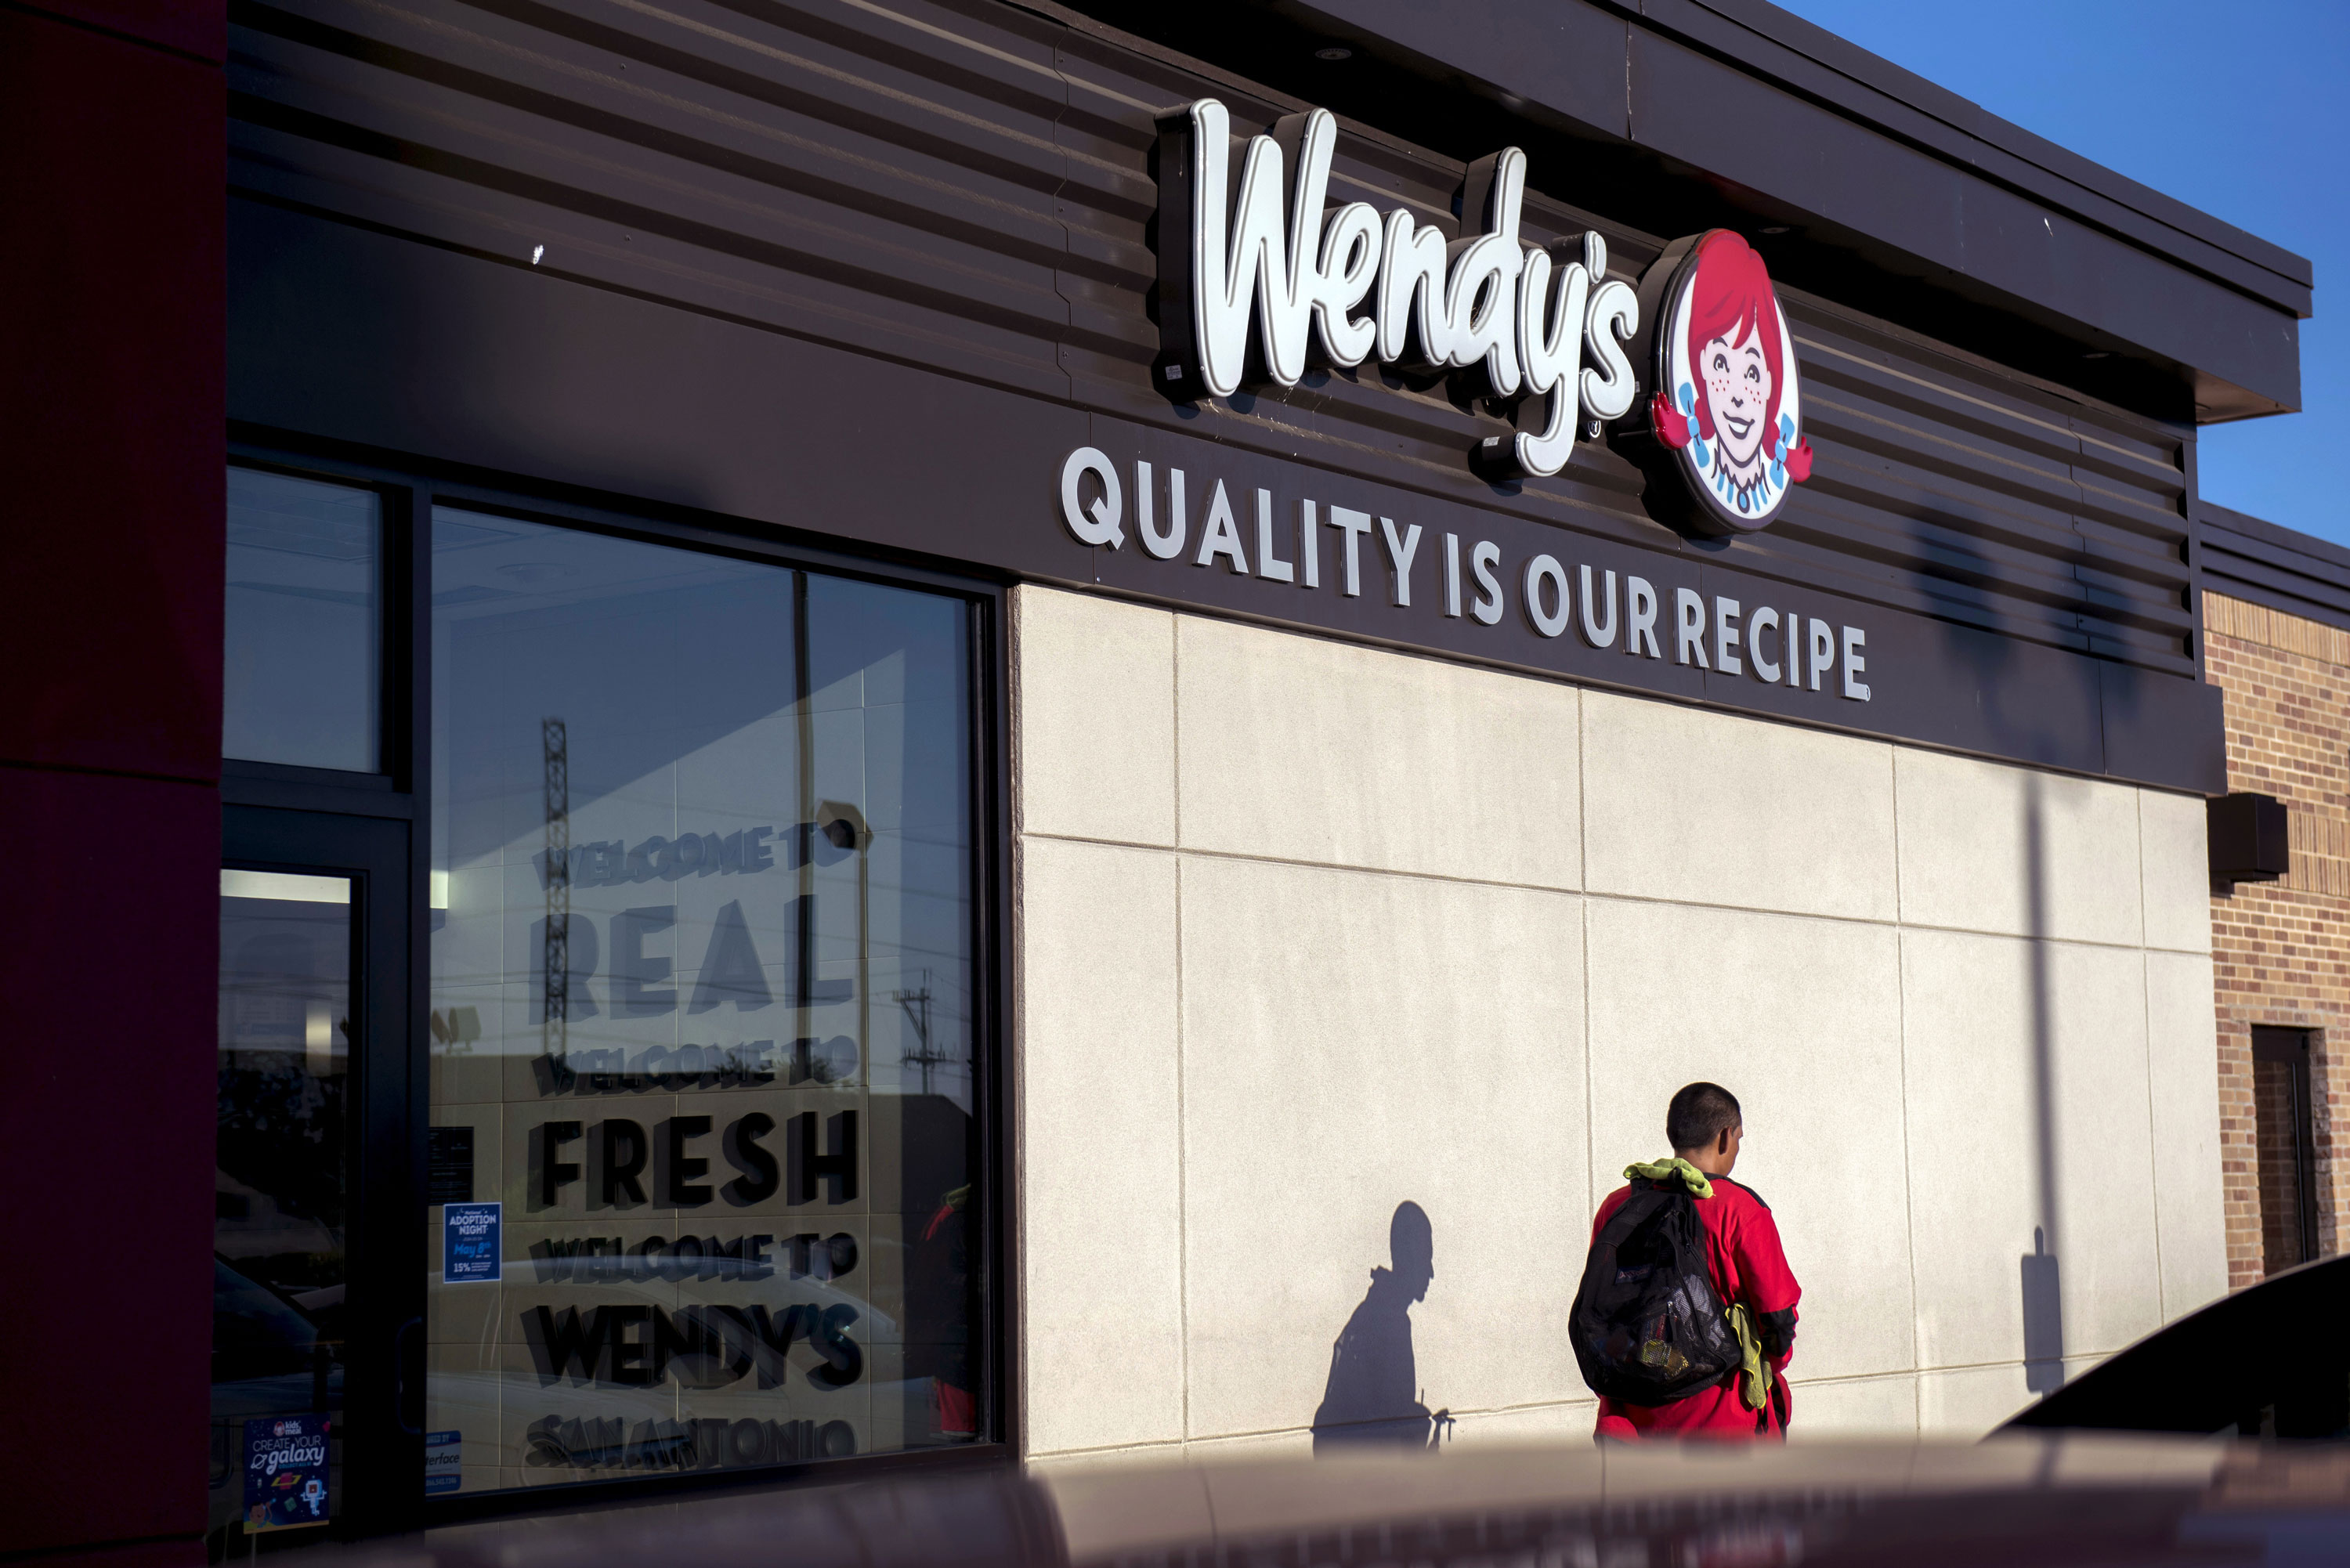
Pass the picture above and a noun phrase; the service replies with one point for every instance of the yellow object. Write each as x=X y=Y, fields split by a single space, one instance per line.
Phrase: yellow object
x=1753 y=1376
x=1666 y=1169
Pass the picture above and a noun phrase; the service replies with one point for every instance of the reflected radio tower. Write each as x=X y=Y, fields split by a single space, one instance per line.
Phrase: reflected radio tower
x=554 y=972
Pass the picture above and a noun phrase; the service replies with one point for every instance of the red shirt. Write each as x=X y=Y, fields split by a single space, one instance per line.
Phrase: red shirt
x=1742 y=1245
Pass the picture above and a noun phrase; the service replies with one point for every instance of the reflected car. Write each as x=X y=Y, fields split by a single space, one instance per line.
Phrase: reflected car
x=268 y=1359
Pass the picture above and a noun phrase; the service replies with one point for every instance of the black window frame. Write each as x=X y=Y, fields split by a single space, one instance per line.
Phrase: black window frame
x=388 y=1100
x=411 y=489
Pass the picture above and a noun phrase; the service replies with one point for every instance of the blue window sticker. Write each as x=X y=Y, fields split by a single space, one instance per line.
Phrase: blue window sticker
x=469 y=1243
x=443 y=1462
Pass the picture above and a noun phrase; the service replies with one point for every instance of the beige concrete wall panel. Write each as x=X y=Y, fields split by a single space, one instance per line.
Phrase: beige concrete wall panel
x=1100 y=1201
x=1250 y=1449
x=1352 y=1042
x=1699 y=806
x=2027 y=1071
x=2175 y=872
x=1988 y=847
x=1094 y=689
x=2190 y=1209
x=1293 y=748
x=1367 y=986
x=1801 y=1019
x=1852 y=1407
x=1969 y=1401
x=1568 y=1422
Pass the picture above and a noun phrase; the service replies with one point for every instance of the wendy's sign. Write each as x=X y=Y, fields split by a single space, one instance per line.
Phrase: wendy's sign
x=1356 y=284
x=1544 y=328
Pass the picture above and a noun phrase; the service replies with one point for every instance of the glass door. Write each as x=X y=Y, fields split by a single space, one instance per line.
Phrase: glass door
x=281 y=1280
x=308 y=1429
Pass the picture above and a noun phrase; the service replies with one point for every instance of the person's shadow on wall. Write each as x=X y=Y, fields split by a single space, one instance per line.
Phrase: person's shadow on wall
x=1371 y=1399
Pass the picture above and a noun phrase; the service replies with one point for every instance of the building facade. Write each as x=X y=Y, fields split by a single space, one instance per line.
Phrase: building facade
x=1463 y=963
x=921 y=734
x=2274 y=618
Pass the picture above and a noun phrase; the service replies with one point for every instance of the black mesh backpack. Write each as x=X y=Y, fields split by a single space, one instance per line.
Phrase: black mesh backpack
x=1648 y=1325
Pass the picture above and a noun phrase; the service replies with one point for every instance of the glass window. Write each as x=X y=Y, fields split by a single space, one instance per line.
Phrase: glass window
x=278 y=1274
x=702 y=984
x=303 y=623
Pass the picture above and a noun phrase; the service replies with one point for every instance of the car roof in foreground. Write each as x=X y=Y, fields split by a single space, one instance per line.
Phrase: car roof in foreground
x=2023 y=1497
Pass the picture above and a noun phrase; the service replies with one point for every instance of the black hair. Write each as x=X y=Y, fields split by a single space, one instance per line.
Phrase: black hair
x=1699 y=1114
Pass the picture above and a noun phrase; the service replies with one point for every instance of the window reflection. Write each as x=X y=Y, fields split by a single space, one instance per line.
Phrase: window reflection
x=700 y=1009
x=303 y=622
x=279 y=1197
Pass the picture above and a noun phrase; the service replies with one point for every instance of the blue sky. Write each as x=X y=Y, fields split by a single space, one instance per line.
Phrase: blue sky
x=2242 y=110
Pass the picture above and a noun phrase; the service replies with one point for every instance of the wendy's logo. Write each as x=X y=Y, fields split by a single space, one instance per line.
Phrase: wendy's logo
x=1728 y=400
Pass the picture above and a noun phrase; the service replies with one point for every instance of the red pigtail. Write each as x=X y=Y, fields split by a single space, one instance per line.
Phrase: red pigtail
x=1672 y=426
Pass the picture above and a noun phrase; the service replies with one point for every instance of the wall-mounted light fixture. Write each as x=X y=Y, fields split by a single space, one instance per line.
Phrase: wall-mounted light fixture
x=2249 y=838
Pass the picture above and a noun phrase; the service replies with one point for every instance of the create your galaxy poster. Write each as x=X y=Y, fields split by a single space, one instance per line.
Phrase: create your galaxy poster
x=284 y=1472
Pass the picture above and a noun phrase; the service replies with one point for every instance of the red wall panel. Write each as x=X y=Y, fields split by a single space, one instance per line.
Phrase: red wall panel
x=109 y=969
x=112 y=175
x=191 y=27
x=112 y=444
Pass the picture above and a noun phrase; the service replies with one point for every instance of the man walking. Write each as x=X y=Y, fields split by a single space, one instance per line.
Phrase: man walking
x=1750 y=1280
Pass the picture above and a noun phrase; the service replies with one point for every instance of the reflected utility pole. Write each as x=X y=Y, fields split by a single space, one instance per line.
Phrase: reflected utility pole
x=917 y=1006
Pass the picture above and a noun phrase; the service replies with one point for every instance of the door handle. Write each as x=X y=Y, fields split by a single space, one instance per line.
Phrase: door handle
x=408 y=1376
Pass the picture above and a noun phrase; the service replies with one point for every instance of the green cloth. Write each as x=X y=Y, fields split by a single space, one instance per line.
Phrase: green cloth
x=1666 y=1169
x=1753 y=1376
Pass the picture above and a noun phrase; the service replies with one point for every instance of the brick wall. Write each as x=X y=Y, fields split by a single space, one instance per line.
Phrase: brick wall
x=2280 y=950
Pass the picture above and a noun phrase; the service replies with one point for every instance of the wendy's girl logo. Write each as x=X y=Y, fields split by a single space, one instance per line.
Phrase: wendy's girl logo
x=1728 y=400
